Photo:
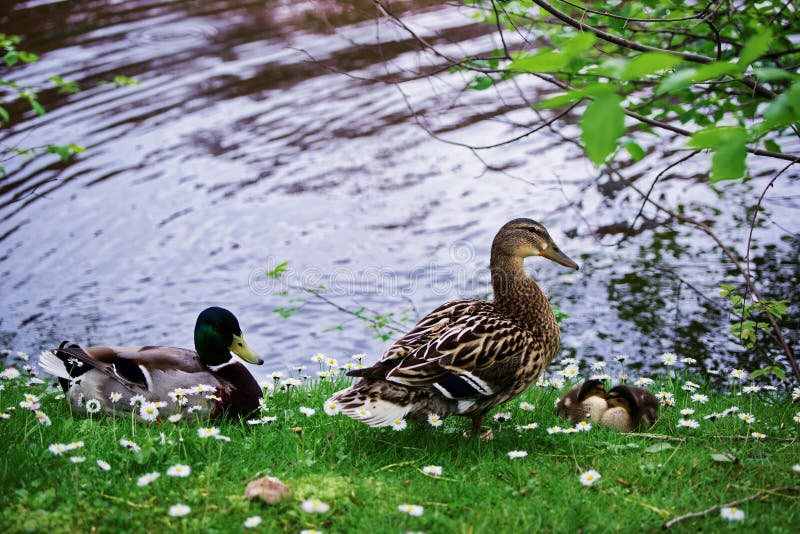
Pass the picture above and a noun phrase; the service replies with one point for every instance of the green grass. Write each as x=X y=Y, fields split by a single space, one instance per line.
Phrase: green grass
x=365 y=473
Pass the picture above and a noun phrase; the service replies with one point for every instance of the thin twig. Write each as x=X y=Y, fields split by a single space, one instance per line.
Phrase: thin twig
x=787 y=349
x=713 y=509
x=688 y=56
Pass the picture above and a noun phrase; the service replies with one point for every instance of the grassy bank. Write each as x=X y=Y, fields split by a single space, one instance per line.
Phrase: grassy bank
x=364 y=474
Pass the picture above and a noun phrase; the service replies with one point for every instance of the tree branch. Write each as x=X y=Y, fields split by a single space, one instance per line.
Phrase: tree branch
x=688 y=56
x=713 y=509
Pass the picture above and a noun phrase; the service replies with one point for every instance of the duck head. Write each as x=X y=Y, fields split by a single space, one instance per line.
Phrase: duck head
x=522 y=238
x=216 y=334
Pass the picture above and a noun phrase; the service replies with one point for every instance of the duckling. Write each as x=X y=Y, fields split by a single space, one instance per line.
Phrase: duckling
x=467 y=356
x=629 y=408
x=586 y=401
x=204 y=383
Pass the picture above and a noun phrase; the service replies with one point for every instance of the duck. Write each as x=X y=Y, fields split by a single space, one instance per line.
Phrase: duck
x=587 y=401
x=469 y=355
x=629 y=408
x=206 y=382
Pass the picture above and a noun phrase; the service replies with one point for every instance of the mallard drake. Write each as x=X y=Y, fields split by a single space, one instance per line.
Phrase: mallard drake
x=629 y=408
x=586 y=401
x=467 y=356
x=203 y=383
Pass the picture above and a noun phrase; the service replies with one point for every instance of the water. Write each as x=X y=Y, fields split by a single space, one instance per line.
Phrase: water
x=266 y=132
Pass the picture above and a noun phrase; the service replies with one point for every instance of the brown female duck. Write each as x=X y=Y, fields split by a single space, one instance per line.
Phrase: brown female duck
x=467 y=356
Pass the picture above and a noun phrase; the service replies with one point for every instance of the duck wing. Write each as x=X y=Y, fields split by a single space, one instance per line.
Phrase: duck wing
x=468 y=349
x=130 y=366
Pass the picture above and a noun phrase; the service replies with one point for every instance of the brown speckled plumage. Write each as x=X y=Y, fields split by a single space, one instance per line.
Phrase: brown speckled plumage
x=467 y=356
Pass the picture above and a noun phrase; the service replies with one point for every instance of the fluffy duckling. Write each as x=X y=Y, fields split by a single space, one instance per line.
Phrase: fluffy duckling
x=588 y=401
x=629 y=408
x=203 y=383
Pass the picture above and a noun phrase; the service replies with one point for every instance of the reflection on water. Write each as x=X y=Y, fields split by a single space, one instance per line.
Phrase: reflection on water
x=264 y=132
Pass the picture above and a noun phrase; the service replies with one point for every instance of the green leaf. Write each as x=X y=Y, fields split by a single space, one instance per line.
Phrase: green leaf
x=677 y=82
x=772 y=74
x=636 y=151
x=574 y=95
x=658 y=447
x=4 y=114
x=481 y=82
x=28 y=57
x=769 y=144
x=37 y=107
x=715 y=136
x=580 y=42
x=278 y=271
x=602 y=124
x=648 y=63
x=712 y=71
x=11 y=58
x=728 y=161
x=544 y=61
x=755 y=47
x=730 y=150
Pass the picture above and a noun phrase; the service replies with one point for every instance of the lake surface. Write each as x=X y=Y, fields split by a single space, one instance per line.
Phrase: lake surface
x=271 y=132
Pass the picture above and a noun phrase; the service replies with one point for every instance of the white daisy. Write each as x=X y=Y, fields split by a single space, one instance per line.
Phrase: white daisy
x=747 y=418
x=433 y=470
x=688 y=423
x=554 y=429
x=42 y=418
x=529 y=426
x=731 y=514
x=644 y=382
x=179 y=470
x=741 y=374
x=513 y=455
x=435 y=420
x=115 y=397
x=527 y=406
x=699 y=397
x=590 y=477
x=411 y=509
x=308 y=412
x=130 y=445
x=331 y=408
x=92 y=406
x=252 y=522
x=669 y=359
x=583 y=426
x=174 y=418
x=105 y=466
x=399 y=424
x=758 y=435
x=148 y=411
x=57 y=448
x=314 y=506
x=208 y=432
x=687 y=411
x=179 y=510
x=77 y=459
x=501 y=416
x=147 y=478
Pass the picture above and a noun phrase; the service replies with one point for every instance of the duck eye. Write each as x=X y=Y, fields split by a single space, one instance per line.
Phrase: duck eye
x=240 y=344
